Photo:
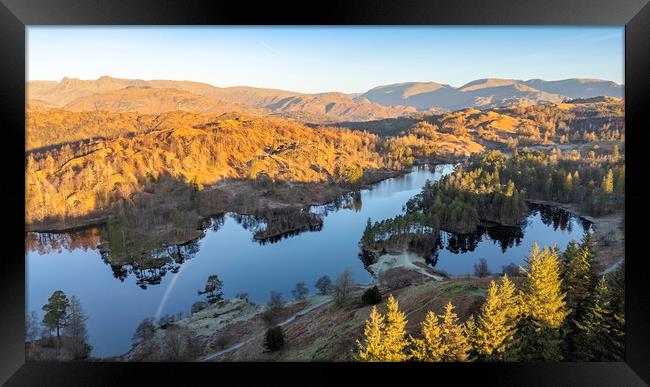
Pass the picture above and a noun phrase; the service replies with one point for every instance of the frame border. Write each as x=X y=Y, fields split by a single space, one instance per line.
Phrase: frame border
x=15 y=15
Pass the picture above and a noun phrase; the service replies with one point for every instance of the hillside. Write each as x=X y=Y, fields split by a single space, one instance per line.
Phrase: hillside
x=518 y=124
x=86 y=179
x=157 y=96
x=489 y=92
x=149 y=100
x=388 y=101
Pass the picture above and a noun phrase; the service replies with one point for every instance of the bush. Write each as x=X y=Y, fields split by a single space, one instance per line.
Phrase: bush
x=371 y=296
x=274 y=339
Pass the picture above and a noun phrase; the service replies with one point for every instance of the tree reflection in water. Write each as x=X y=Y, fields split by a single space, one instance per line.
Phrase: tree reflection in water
x=150 y=267
x=428 y=246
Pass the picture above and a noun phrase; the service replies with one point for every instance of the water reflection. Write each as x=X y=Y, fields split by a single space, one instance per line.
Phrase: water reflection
x=118 y=291
x=150 y=267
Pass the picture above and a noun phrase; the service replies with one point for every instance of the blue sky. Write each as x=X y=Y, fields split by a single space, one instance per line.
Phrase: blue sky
x=318 y=59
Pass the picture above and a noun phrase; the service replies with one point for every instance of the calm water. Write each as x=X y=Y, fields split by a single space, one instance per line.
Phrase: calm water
x=116 y=300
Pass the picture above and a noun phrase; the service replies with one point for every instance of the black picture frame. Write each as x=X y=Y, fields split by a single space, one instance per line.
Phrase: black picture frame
x=15 y=15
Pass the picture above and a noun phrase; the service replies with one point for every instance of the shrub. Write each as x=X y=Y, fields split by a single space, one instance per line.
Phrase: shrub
x=371 y=296
x=274 y=339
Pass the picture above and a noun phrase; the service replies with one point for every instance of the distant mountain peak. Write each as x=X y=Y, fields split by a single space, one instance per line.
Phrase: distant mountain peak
x=384 y=101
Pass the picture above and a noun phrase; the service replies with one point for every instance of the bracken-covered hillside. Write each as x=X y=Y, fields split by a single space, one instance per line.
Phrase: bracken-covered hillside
x=84 y=179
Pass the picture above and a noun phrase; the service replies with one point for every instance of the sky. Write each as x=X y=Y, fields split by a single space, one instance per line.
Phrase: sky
x=322 y=59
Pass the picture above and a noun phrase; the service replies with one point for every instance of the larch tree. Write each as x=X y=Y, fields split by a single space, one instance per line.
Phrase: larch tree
x=372 y=347
x=543 y=309
x=453 y=337
x=395 y=340
x=543 y=297
x=385 y=336
x=496 y=324
x=430 y=347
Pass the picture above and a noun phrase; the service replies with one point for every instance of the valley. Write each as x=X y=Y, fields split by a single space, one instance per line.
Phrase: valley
x=150 y=187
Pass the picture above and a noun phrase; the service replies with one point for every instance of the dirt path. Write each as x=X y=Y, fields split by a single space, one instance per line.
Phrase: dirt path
x=404 y=260
x=287 y=321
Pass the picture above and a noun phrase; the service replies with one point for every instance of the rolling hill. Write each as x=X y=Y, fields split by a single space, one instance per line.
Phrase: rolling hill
x=387 y=101
x=490 y=92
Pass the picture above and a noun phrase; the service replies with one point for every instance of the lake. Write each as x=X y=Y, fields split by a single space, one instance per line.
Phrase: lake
x=118 y=298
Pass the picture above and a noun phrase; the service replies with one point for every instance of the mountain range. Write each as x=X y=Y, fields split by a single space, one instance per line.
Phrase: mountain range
x=387 y=101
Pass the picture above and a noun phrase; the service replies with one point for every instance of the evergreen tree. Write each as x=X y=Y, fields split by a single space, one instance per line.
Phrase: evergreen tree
x=577 y=277
x=274 y=339
x=213 y=288
x=430 y=348
x=616 y=285
x=56 y=311
x=385 y=336
x=372 y=347
x=454 y=337
x=543 y=309
x=395 y=340
x=496 y=325
x=368 y=237
x=542 y=296
x=598 y=337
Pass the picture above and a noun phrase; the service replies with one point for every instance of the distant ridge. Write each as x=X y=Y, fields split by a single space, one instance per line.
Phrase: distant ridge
x=490 y=92
x=386 y=101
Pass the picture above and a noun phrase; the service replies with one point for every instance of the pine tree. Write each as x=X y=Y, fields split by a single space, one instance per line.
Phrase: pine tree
x=368 y=238
x=56 y=311
x=542 y=297
x=372 y=347
x=453 y=337
x=496 y=324
x=543 y=309
x=616 y=285
x=597 y=333
x=395 y=340
x=577 y=276
x=430 y=347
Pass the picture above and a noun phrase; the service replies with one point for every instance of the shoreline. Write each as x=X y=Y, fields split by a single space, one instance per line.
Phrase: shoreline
x=375 y=177
x=605 y=227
